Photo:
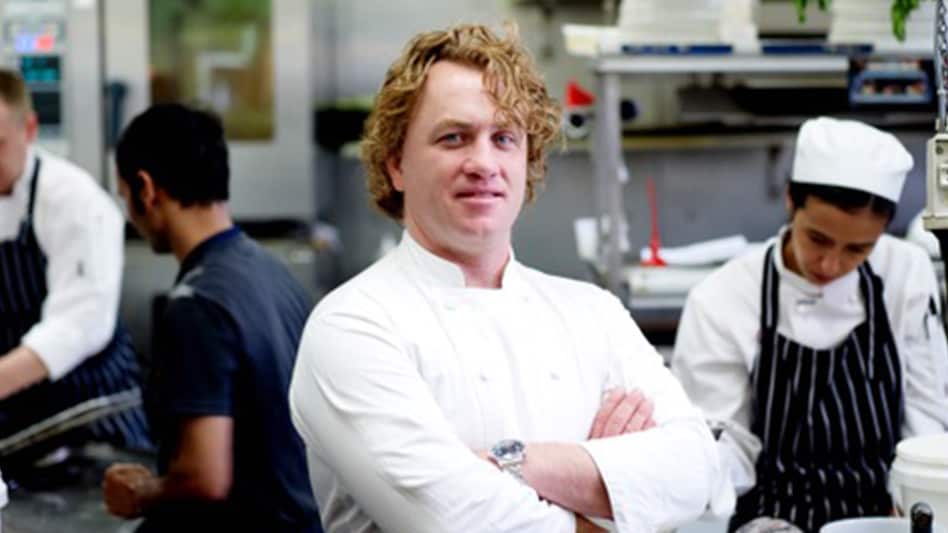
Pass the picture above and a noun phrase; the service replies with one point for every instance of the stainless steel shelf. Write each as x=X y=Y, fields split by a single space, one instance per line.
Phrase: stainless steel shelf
x=607 y=142
x=647 y=143
x=723 y=63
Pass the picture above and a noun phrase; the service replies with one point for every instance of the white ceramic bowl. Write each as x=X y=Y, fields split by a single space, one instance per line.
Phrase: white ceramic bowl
x=872 y=525
x=867 y=525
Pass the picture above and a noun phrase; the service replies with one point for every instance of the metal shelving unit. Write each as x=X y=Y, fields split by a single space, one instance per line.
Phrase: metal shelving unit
x=607 y=148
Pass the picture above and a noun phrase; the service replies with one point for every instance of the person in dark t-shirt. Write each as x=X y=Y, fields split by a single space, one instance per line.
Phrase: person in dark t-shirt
x=228 y=455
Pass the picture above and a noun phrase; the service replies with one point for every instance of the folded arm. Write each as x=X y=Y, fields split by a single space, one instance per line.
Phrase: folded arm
x=565 y=473
x=659 y=478
x=363 y=409
x=643 y=480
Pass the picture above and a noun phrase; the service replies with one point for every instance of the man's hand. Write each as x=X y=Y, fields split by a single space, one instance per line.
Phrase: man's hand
x=125 y=489
x=622 y=412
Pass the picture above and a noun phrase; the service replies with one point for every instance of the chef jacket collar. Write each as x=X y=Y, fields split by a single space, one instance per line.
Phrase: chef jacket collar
x=836 y=290
x=441 y=273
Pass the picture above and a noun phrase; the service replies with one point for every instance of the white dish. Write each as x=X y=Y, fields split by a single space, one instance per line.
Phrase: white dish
x=872 y=525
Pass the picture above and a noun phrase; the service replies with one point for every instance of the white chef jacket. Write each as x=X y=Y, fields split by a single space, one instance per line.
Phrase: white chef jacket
x=718 y=340
x=80 y=229
x=403 y=371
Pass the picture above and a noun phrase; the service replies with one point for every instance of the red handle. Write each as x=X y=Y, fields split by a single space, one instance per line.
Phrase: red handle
x=655 y=242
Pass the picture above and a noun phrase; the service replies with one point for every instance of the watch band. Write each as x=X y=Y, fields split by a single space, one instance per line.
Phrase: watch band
x=515 y=470
x=508 y=455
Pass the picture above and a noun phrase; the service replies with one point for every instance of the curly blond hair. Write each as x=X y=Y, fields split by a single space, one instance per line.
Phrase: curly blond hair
x=515 y=87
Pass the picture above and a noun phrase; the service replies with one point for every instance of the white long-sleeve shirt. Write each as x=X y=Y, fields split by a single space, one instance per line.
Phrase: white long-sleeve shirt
x=718 y=340
x=403 y=371
x=80 y=229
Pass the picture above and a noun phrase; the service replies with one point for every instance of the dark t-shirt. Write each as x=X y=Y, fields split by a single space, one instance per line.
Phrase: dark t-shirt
x=226 y=346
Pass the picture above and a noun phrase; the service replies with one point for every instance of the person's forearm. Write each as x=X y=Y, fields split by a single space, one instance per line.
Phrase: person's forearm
x=566 y=475
x=171 y=488
x=20 y=368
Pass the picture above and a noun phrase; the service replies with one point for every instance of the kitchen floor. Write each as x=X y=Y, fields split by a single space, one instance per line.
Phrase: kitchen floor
x=75 y=507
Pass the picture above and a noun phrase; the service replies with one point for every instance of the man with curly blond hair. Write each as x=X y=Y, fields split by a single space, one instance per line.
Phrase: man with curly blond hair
x=449 y=387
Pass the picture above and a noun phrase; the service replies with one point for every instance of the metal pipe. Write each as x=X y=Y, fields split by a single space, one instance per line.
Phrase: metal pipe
x=940 y=57
x=607 y=142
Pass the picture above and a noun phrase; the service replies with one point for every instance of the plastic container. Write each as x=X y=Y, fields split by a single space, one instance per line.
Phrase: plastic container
x=920 y=473
x=872 y=525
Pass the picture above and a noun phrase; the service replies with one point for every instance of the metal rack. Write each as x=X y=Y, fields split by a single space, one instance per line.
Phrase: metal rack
x=936 y=214
x=607 y=153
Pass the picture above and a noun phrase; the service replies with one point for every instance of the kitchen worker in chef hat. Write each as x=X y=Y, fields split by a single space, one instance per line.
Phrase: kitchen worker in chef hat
x=818 y=352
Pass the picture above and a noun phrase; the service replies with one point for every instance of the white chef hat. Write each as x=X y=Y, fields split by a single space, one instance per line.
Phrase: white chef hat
x=846 y=153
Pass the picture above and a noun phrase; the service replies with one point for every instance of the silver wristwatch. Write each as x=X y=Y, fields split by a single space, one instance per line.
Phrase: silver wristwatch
x=509 y=455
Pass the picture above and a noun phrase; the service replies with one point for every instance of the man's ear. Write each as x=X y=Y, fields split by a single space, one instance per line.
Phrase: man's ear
x=394 y=167
x=788 y=201
x=148 y=192
x=31 y=124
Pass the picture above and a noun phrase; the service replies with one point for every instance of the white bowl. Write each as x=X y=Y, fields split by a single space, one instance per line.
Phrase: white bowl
x=872 y=525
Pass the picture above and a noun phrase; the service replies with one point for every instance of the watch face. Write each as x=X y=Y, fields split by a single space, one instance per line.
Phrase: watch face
x=508 y=450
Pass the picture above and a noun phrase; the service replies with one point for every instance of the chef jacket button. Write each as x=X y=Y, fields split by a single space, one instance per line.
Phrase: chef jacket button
x=483 y=377
x=555 y=375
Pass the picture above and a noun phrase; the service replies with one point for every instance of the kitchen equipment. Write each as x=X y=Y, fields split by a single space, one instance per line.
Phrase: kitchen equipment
x=921 y=518
x=920 y=473
x=876 y=524
x=655 y=241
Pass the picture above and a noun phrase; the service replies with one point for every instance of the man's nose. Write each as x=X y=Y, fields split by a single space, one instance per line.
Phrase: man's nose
x=830 y=264
x=481 y=159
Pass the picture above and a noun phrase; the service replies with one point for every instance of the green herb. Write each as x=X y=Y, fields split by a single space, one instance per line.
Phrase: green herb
x=900 y=12
x=801 y=10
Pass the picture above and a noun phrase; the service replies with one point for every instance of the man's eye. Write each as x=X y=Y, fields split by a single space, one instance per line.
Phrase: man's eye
x=451 y=138
x=505 y=139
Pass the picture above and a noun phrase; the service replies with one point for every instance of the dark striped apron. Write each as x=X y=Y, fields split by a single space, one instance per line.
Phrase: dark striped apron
x=828 y=420
x=99 y=400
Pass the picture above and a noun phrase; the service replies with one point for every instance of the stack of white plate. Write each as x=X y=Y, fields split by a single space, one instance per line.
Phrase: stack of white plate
x=670 y=21
x=869 y=22
x=738 y=27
